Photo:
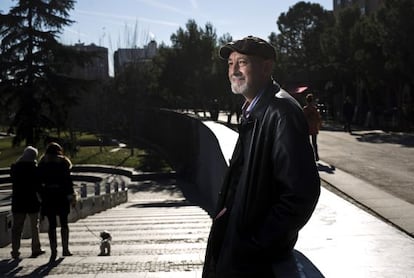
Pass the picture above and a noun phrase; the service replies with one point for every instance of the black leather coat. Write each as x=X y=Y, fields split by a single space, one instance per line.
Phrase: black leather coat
x=270 y=190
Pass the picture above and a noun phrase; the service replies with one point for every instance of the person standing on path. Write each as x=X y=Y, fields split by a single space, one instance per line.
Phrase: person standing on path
x=272 y=184
x=314 y=122
x=25 y=200
x=57 y=195
x=348 y=113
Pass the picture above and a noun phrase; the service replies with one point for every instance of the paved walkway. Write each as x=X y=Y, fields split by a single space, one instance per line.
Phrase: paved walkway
x=372 y=167
x=366 y=231
x=344 y=241
x=160 y=234
x=385 y=160
x=386 y=206
x=157 y=233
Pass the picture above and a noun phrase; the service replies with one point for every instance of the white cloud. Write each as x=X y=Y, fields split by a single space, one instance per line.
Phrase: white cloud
x=128 y=18
x=194 y=4
x=77 y=32
x=160 y=22
x=159 y=5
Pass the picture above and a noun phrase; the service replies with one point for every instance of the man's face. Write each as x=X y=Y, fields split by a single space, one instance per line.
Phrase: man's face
x=247 y=74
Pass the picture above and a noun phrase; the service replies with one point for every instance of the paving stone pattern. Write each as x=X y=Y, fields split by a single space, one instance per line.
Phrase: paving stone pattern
x=157 y=233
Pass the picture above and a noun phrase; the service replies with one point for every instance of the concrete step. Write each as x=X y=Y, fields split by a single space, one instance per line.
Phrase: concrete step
x=155 y=234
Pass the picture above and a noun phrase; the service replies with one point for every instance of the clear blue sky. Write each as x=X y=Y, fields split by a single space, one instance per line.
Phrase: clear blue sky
x=109 y=23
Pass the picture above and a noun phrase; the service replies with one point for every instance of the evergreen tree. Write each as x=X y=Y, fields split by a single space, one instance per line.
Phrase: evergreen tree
x=298 y=44
x=193 y=50
x=32 y=61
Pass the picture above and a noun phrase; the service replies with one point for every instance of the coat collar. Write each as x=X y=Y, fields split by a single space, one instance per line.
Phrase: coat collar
x=260 y=108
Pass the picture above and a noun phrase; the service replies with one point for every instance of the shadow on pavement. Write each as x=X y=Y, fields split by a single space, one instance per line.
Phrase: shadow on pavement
x=44 y=270
x=296 y=266
x=330 y=169
x=374 y=136
x=332 y=127
x=155 y=186
x=172 y=186
x=10 y=268
x=166 y=204
x=406 y=140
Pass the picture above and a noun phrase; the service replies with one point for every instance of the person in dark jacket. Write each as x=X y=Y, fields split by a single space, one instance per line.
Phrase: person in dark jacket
x=57 y=195
x=25 y=200
x=314 y=122
x=272 y=184
x=348 y=113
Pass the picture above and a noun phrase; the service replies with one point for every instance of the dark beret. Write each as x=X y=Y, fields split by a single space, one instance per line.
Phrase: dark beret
x=249 y=46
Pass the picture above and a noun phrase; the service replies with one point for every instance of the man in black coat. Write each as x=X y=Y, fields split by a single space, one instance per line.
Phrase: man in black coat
x=25 y=200
x=272 y=185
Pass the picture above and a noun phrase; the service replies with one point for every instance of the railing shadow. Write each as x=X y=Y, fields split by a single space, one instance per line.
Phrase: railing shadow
x=165 y=204
x=158 y=185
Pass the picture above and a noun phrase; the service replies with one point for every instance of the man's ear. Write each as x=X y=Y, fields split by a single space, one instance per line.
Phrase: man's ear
x=268 y=67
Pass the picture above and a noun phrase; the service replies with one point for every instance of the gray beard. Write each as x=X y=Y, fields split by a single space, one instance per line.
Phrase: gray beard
x=239 y=90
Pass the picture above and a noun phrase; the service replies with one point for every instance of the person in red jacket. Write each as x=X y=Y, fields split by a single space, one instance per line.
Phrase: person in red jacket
x=25 y=200
x=314 y=122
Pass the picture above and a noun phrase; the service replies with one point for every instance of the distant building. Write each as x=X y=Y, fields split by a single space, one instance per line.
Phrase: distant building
x=97 y=68
x=366 y=6
x=86 y=114
x=125 y=56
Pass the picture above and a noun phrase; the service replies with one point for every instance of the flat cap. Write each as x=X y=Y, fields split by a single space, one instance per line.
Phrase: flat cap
x=249 y=46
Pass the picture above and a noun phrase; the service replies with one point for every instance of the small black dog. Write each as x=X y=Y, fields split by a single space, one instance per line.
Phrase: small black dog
x=105 y=243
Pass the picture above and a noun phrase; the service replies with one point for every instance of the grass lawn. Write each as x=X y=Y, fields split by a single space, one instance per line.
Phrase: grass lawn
x=8 y=155
x=144 y=160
